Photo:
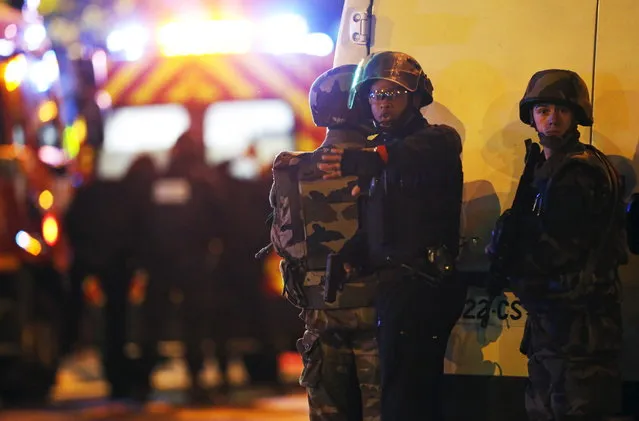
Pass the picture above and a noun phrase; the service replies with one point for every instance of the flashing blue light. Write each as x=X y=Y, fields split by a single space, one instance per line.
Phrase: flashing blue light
x=319 y=44
x=7 y=47
x=285 y=33
x=130 y=40
x=34 y=35
x=23 y=239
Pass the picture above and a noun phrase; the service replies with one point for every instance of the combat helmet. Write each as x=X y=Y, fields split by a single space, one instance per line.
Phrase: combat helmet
x=396 y=67
x=329 y=95
x=556 y=86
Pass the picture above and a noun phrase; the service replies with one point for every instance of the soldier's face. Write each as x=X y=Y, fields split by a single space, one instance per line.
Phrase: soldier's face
x=553 y=120
x=388 y=101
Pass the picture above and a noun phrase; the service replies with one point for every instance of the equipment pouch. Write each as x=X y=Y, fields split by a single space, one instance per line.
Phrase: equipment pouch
x=310 y=349
x=293 y=278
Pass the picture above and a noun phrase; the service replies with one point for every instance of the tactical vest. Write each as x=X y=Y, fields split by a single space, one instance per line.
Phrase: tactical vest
x=611 y=250
x=313 y=217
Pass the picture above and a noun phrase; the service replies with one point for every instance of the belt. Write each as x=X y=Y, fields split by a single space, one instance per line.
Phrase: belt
x=357 y=292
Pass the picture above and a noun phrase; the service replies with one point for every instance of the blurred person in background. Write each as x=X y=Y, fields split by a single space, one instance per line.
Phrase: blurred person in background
x=137 y=193
x=184 y=226
x=246 y=232
x=79 y=231
x=98 y=229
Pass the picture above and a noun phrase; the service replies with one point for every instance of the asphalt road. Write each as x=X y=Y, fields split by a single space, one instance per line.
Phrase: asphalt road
x=80 y=396
x=283 y=408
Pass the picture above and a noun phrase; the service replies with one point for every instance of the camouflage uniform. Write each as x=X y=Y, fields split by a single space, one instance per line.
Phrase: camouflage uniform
x=410 y=216
x=567 y=276
x=338 y=348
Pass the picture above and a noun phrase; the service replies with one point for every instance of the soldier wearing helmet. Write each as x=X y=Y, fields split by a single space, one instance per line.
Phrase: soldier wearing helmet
x=338 y=347
x=567 y=269
x=183 y=219
x=562 y=91
x=410 y=175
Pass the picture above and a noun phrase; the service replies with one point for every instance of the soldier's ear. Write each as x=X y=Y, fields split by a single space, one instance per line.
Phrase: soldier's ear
x=532 y=118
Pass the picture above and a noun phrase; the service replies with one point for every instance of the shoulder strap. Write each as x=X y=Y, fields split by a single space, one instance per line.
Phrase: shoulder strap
x=595 y=254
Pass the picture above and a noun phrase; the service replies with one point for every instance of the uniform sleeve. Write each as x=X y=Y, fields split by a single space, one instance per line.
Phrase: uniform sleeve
x=437 y=147
x=573 y=217
x=425 y=168
x=430 y=160
x=438 y=158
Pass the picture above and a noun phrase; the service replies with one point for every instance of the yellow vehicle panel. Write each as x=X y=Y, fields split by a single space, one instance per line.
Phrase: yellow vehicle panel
x=480 y=56
x=616 y=132
x=493 y=350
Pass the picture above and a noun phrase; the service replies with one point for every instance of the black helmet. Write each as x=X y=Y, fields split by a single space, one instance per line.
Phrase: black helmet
x=396 y=67
x=556 y=86
x=328 y=97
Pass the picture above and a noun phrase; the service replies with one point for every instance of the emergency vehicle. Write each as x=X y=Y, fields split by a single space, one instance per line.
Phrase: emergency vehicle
x=240 y=85
x=35 y=133
x=480 y=56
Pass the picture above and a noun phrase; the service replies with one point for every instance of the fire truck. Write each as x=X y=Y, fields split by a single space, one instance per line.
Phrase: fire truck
x=36 y=134
x=246 y=98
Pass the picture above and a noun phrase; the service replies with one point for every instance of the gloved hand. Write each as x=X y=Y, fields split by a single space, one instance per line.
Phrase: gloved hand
x=337 y=162
x=492 y=247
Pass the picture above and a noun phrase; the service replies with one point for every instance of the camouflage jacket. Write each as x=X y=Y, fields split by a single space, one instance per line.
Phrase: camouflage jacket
x=574 y=237
x=313 y=217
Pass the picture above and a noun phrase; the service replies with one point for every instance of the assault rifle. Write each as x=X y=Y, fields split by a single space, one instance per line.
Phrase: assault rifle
x=508 y=230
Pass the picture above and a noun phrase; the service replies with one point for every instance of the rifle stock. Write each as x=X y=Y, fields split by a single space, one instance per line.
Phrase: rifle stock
x=505 y=245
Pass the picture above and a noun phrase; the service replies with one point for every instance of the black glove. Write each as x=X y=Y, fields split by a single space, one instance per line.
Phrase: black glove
x=502 y=221
x=363 y=163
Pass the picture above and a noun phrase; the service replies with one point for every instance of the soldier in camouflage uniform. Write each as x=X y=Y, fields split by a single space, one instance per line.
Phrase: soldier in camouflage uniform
x=567 y=269
x=338 y=348
x=412 y=178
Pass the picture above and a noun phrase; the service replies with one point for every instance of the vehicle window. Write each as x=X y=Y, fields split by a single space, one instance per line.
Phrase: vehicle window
x=130 y=131
x=248 y=133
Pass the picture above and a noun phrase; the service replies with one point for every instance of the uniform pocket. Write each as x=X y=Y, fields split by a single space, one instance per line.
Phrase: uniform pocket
x=311 y=351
